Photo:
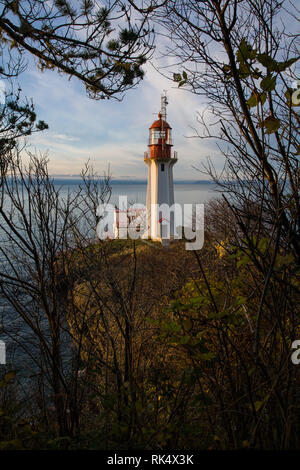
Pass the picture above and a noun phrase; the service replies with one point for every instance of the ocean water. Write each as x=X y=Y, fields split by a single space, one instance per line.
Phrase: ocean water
x=184 y=193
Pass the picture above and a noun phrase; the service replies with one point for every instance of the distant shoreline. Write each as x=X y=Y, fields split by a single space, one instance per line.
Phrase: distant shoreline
x=75 y=179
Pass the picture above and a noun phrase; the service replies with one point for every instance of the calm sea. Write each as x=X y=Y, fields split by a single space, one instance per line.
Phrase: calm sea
x=184 y=192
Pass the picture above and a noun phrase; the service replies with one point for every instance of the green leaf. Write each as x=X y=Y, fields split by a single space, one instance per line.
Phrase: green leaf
x=262 y=244
x=271 y=124
x=226 y=68
x=239 y=300
x=256 y=73
x=252 y=101
x=244 y=71
x=184 y=75
x=284 y=260
x=185 y=339
x=281 y=66
x=258 y=405
x=227 y=71
x=273 y=65
x=262 y=98
x=245 y=52
x=187 y=324
x=242 y=51
x=288 y=95
x=256 y=98
x=176 y=77
x=113 y=45
x=245 y=260
x=200 y=334
x=268 y=83
x=266 y=61
x=207 y=356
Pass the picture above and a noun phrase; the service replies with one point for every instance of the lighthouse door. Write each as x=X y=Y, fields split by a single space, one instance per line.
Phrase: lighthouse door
x=164 y=226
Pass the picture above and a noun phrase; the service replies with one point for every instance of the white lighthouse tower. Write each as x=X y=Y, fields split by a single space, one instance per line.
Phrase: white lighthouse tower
x=160 y=188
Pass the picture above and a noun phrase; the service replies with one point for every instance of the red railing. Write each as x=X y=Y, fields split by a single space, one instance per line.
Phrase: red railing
x=174 y=155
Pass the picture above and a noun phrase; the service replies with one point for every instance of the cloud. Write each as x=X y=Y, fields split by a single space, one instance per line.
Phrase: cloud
x=64 y=137
x=112 y=132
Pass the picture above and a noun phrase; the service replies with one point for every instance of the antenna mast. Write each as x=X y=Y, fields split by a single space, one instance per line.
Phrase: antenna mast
x=163 y=112
x=164 y=103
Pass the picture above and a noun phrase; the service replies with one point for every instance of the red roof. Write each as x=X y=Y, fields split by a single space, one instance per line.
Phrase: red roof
x=160 y=123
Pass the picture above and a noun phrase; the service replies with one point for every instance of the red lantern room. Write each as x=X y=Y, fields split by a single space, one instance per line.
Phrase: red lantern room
x=160 y=140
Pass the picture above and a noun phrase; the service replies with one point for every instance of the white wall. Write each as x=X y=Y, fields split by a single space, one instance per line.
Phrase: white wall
x=160 y=190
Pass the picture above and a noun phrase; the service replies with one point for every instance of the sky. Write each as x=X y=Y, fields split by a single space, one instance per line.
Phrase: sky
x=110 y=133
x=113 y=134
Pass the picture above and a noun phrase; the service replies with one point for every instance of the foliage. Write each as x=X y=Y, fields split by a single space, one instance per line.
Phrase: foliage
x=167 y=349
x=103 y=46
x=16 y=431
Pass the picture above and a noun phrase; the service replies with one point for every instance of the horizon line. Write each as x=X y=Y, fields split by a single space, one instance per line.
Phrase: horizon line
x=128 y=178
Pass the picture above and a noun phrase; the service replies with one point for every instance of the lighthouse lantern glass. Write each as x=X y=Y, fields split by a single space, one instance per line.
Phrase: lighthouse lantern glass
x=169 y=137
x=157 y=134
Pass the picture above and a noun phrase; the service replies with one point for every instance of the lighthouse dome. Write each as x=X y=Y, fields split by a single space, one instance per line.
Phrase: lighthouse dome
x=160 y=123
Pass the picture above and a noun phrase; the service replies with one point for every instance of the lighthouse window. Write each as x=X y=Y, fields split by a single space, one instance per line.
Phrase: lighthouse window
x=162 y=167
x=155 y=135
